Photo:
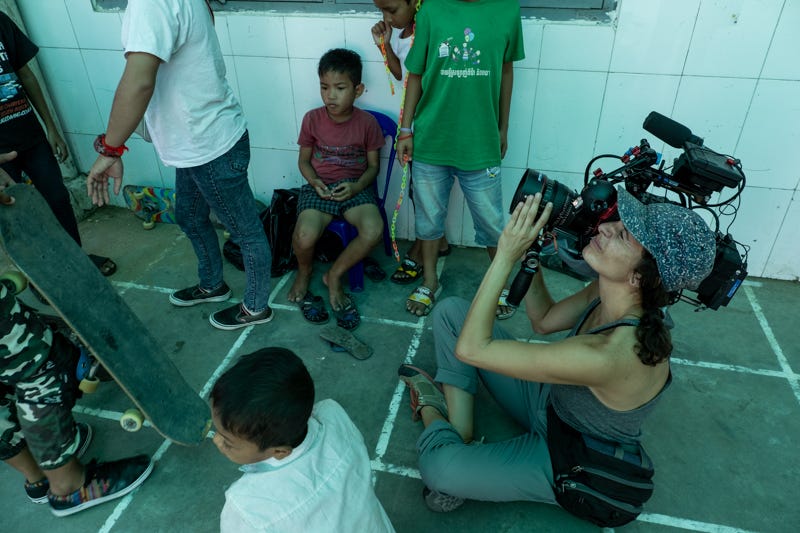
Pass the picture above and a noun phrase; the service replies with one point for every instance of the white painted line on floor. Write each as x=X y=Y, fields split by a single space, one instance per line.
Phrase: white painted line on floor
x=692 y=525
x=735 y=368
x=404 y=471
x=105 y=414
x=128 y=498
x=225 y=362
x=397 y=396
x=125 y=285
x=794 y=383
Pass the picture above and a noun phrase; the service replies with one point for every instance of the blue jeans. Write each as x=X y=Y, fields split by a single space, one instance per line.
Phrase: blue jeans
x=482 y=190
x=222 y=185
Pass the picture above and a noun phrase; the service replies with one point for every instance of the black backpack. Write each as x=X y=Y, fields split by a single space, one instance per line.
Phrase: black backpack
x=279 y=220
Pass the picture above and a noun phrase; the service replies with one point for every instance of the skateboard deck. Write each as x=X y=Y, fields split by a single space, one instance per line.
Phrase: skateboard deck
x=78 y=292
x=151 y=204
x=157 y=204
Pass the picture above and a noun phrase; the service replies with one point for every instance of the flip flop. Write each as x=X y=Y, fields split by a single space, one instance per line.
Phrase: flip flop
x=502 y=302
x=424 y=296
x=347 y=316
x=409 y=271
x=341 y=337
x=313 y=309
x=373 y=270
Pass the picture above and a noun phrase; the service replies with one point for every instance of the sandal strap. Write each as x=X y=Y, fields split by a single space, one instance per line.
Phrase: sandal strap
x=424 y=391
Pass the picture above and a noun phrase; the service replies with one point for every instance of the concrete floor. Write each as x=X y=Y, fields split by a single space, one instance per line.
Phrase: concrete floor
x=724 y=439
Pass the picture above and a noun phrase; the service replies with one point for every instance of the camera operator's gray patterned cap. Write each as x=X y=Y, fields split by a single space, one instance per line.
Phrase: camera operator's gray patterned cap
x=681 y=242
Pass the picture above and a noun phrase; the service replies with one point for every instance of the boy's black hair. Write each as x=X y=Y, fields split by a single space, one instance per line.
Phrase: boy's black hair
x=343 y=61
x=265 y=398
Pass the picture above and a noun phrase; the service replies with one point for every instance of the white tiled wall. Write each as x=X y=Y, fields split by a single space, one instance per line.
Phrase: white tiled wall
x=727 y=69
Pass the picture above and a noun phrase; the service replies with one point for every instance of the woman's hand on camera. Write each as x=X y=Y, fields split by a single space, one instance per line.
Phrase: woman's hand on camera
x=523 y=227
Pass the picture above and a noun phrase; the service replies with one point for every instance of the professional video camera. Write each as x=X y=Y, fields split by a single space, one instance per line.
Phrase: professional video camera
x=696 y=174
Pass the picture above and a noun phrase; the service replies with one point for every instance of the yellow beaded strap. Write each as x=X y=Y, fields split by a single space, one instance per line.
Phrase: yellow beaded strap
x=386 y=65
x=404 y=180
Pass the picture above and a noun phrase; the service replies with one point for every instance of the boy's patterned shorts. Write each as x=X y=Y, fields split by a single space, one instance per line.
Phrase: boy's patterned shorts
x=309 y=199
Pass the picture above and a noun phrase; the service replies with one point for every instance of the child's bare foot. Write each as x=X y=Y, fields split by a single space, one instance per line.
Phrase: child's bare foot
x=335 y=291
x=343 y=306
x=299 y=288
x=421 y=301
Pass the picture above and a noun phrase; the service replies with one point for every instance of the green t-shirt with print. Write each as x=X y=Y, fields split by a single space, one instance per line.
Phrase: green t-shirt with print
x=459 y=50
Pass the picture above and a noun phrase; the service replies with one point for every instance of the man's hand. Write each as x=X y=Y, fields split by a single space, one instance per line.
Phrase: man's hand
x=97 y=182
x=57 y=144
x=381 y=29
x=5 y=179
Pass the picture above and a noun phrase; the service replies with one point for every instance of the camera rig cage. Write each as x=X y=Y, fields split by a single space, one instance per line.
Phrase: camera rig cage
x=696 y=174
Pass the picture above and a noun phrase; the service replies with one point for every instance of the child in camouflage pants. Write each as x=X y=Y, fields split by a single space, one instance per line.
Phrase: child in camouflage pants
x=38 y=436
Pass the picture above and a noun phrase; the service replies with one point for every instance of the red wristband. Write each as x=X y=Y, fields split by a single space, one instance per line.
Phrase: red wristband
x=102 y=148
x=404 y=137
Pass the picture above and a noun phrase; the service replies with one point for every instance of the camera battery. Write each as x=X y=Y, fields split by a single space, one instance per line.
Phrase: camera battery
x=713 y=168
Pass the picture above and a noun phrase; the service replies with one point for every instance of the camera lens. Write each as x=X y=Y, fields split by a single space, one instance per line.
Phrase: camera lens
x=566 y=203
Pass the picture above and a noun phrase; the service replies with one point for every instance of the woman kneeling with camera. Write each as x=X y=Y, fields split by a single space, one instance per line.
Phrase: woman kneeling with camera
x=582 y=399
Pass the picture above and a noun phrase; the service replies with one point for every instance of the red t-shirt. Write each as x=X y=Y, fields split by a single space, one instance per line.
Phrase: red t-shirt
x=339 y=150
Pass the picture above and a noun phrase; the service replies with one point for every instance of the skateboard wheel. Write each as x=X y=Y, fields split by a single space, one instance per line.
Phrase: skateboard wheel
x=131 y=420
x=17 y=279
x=148 y=224
x=226 y=234
x=89 y=385
x=138 y=195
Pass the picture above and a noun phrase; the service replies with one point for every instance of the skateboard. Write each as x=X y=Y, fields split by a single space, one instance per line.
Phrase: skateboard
x=157 y=204
x=151 y=204
x=100 y=318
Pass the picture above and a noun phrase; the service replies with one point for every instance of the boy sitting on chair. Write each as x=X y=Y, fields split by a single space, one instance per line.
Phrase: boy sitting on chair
x=339 y=148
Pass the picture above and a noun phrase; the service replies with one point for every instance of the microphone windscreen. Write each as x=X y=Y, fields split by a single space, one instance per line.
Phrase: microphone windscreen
x=671 y=132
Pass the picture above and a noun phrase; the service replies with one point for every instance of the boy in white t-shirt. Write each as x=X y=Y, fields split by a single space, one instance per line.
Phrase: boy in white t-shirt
x=305 y=465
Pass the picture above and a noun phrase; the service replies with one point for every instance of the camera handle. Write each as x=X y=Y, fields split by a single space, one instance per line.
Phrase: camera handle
x=522 y=281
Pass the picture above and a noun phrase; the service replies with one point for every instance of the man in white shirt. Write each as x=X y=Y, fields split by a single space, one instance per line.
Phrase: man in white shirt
x=175 y=78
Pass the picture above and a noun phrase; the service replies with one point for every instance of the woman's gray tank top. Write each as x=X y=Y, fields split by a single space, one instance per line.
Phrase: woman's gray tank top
x=579 y=407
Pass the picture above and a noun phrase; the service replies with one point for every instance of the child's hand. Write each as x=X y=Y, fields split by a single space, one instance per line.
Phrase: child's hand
x=381 y=29
x=58 y=145
x=5 y=179
x=343 y=191
x=323 y=191
x=503 y=143
x=405 y=149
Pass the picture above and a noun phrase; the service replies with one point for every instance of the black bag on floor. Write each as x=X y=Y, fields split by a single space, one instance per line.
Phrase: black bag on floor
x=279 y=220
x=599 y=481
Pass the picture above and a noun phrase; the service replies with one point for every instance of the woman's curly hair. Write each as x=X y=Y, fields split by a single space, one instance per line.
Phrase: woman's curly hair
x=654 y=341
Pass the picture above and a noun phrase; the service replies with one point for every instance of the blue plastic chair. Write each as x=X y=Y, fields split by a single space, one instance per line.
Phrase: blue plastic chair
x=346 y=231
